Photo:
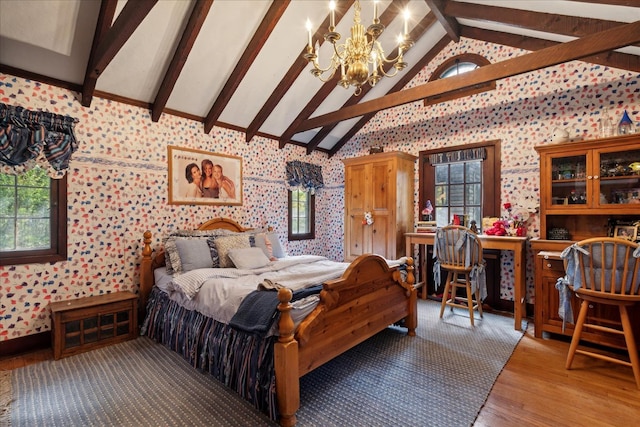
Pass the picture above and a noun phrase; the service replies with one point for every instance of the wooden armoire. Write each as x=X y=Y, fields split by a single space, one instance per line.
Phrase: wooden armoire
x=381 y=184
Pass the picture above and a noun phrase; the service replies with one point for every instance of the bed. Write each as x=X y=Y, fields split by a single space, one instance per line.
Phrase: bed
x=265 y=369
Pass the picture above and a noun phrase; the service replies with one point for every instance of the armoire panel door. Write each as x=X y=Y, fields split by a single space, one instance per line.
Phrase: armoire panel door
x=355 y=240
x=382 y=194
x=382 y=242
x=357 y=189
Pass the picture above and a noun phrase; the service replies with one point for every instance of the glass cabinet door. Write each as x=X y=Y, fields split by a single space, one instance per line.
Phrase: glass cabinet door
x=619 y=178
x=569 y=181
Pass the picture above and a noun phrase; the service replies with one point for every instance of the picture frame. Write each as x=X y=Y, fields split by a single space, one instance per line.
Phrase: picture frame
x=628 y=232
x=188 y=169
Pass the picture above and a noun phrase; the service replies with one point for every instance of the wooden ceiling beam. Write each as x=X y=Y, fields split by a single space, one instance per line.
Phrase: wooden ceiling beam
x=573 y=26
x=385 y=19
x=105 y=18
x=126 y=23
x=449 y=23
x=593 y=44
x=189 y=35
x=623 y=61
x=269 y=22
x=423 y=62
x=417 y=32
x=292 y=74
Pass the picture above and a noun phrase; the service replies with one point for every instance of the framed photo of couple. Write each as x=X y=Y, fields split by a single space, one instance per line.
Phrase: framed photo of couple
x=199 y=177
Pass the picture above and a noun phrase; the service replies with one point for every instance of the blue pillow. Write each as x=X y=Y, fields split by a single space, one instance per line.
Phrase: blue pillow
x=194 y=253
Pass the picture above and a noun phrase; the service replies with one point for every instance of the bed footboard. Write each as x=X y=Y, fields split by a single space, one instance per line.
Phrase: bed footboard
x=368 y=297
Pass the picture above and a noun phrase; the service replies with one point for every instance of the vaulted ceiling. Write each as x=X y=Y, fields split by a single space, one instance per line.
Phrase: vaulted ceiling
x=238 y=64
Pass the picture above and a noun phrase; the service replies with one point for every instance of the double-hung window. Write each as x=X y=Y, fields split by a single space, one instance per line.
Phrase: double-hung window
x=33 y=218
x=463 y=180
x=301 y=215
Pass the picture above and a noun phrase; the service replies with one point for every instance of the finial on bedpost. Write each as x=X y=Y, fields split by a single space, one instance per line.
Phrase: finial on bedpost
x=146 y=251
x=411 y=278
x=285 y=325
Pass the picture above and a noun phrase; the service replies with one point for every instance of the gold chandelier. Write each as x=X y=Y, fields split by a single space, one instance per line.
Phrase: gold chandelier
x=361 y=58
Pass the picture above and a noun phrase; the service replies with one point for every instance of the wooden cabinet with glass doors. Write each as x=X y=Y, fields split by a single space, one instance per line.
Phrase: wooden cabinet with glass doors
x=586 y=187
x=585 y=184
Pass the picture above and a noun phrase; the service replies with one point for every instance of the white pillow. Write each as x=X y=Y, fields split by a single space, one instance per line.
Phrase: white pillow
x=276 y=246
x=248 y=258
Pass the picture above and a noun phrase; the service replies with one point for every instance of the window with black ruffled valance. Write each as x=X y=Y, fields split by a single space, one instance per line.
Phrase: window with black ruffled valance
x=304 y=176
x=29 y=138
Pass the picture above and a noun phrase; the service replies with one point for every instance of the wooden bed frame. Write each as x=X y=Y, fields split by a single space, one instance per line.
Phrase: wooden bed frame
x=364 y=301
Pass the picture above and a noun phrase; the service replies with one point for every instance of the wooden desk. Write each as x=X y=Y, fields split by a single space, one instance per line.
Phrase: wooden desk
x=506 y=243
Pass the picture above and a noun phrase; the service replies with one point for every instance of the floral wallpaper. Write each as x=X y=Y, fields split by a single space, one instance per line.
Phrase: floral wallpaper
x=117 y=186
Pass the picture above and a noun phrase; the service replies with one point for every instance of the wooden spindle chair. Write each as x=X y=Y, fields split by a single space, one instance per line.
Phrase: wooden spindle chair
x=459 y=262
x=606 y=272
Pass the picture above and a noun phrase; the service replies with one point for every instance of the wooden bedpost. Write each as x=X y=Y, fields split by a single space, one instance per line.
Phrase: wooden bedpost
x=146 y=274
x=412 y=318
x=286 y=363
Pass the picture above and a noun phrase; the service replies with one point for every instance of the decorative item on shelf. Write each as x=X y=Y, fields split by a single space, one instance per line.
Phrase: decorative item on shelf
x=635 y=168
x=377 y=149
x=368 y=218
x=625 y=127
x=605 y=125
x=361 y=58
x=561 y=135
x=558 y=233
x=427 y=211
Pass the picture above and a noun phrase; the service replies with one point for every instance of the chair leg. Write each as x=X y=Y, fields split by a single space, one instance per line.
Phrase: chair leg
x=577 y=332
x=478 y=301
x=454 y=290
x=631 y=343
x=469 y=300
x=445 y=294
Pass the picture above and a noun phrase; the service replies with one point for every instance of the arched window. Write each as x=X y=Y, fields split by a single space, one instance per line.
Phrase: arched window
x=455 y=66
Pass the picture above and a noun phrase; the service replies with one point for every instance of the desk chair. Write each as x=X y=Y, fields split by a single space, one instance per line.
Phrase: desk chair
x=458 y=250
x=604 y=270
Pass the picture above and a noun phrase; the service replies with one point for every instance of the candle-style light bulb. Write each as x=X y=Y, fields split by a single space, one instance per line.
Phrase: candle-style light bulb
x=332 y=6
x=375 y=10
x=407 y=15
x=308 y=25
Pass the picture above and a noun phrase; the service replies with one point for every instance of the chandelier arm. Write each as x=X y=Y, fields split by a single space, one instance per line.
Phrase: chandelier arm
x=384 y=73
x=316 y=66
x=319 y=73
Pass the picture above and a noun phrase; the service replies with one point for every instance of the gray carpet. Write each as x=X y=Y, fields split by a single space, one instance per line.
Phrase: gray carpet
x=389 y=380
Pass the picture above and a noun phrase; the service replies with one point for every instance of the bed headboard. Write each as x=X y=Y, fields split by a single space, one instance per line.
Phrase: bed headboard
x=150 y=263
x=225 y=223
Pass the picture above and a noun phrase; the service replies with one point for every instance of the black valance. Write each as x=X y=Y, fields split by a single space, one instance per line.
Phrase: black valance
x=453 y=156
x=304 y=176
x=30 y=137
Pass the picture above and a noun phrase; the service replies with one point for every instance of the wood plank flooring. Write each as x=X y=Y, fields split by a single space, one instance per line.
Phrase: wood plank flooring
x=534 y=389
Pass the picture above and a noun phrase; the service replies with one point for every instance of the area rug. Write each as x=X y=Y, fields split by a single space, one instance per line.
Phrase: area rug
x=440 y=377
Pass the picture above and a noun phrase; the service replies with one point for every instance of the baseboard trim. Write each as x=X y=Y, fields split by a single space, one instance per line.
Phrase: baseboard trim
x=25 y=344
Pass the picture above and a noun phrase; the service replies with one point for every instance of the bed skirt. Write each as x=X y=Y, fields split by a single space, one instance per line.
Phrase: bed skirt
x=241 y=361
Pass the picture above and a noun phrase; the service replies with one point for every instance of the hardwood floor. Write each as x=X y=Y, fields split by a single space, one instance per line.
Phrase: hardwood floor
x=534 y=389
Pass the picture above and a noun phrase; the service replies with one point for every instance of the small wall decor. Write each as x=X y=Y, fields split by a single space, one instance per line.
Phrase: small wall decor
x=204 y=178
